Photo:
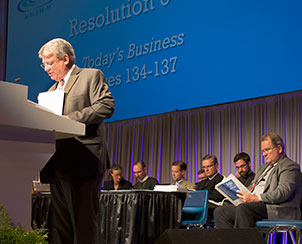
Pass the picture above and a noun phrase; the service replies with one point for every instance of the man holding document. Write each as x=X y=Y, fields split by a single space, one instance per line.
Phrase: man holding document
x=275 y=191
x=76 y=169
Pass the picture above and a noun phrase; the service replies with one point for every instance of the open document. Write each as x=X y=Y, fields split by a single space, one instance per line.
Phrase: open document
x=52 y=100
x=229 y=186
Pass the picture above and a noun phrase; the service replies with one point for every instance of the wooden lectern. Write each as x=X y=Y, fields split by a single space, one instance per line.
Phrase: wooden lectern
x=27 y=141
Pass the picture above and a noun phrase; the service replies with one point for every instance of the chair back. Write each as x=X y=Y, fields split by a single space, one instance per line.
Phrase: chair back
x=195 y=209
x=196 y=199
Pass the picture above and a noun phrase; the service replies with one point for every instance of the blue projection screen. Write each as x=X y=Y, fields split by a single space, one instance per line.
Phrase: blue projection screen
x=162 y=55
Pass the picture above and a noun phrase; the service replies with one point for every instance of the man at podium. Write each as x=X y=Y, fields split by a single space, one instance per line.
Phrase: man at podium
x=76 y=169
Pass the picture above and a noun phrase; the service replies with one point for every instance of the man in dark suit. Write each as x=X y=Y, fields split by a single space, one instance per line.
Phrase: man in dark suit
x=143 y=180
x=243 y=165
x=275 y=194
x=209 y=164
x=201 y=176
x=76 y=169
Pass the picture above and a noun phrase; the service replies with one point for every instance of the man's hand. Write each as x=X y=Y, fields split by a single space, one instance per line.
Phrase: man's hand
x=247 y=197
x=65 y=116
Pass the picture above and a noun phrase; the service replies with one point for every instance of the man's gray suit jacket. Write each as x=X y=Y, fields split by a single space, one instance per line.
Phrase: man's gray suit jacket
x=282 y=191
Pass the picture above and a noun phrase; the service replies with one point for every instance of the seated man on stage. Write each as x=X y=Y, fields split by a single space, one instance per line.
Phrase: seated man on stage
x=116 y=181
x=178 y=175
x=210 y=166
x=143 y=180
x=201 y=176
x=243 y=165
x=275 y=194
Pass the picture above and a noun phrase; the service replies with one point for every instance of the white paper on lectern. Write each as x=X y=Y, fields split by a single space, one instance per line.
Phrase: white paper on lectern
x=53 y=100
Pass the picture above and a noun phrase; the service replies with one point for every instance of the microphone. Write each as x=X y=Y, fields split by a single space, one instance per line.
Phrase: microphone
x=17 y=80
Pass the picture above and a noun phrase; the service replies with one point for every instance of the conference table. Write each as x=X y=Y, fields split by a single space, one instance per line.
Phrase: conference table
x=125 y=216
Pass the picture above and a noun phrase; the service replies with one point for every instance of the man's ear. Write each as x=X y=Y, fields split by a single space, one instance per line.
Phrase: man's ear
x=66 y=59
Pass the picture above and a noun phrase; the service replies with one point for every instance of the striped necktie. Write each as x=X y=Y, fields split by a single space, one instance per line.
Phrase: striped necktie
x=61 y=85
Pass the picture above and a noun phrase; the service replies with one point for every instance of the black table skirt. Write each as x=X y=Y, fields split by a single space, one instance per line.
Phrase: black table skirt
x=129 y=217
x=40 y=213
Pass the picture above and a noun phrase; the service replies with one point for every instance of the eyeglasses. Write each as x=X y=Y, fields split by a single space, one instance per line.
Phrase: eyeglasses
x=48 y=65
x=267 y=150
x=43 y=66
x=241 y=166
x=207 y=167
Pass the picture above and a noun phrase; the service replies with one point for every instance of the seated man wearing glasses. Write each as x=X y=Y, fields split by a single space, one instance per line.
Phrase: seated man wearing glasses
x=243 y=166
x=210 y=166
x=275 y=194
x=143 y=180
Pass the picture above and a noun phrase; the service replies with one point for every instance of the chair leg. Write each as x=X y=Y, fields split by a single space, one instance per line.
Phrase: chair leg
x=269 y=231
x=286 y=231
x=274 y=237
x=298 y=239
x=292 y=237
x=298 y=235
x=283 y=237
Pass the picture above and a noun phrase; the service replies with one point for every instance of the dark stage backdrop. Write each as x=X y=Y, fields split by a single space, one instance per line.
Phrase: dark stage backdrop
x=163 y=55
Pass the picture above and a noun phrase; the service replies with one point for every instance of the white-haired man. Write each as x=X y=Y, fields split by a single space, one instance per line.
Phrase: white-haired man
x=76 y=169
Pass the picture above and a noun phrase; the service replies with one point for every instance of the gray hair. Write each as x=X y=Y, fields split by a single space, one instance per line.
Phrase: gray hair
x=276 y=140
x=210 y=156
x=58 y=47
